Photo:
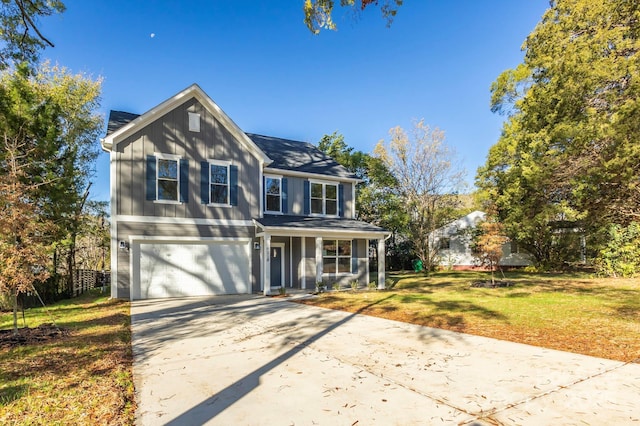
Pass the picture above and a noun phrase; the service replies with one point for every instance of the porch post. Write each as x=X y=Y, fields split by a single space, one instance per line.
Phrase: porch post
x=318 y=259
x=381 y=266
x=267 y=264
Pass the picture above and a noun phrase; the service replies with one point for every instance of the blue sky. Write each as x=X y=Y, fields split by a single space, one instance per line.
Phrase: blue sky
x=260 y=64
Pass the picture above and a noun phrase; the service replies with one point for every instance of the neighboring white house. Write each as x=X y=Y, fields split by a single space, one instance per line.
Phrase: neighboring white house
x=454 y=245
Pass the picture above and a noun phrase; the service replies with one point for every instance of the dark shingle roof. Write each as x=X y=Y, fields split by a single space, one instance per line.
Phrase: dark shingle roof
x=118 y=119
x=286 y=154
x=328 y=223
x=299 y=157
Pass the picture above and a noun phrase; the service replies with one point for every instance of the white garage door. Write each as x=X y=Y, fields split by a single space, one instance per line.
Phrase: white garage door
x=191 y=269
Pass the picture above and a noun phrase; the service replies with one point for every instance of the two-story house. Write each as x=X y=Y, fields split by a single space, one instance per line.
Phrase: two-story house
x=198 y=207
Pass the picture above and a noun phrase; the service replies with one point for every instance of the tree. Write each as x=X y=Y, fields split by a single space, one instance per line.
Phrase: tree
x=318 y=13
x=568 y=151
x=49 y=127
x=377 y=202
x=487 y=242
x=20 y=37
x=428 y=180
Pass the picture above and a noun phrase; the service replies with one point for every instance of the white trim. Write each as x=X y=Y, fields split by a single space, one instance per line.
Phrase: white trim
x=324 y=198
x=290 y=261
x=146 y=239
x=264 y=193
x=308 y=175
x=183 y=221
x=114 y=223
x=319 y=274
x=337 y=258
x=194 y=91
x=168 y=157
x=303 y=269
x=326 y=233
x=281 y=246
x=223 y=163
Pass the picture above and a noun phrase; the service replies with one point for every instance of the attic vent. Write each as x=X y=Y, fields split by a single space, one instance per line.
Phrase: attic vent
x=194 y=122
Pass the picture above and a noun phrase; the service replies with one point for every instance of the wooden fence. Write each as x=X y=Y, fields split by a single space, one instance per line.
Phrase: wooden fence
x=57 y=288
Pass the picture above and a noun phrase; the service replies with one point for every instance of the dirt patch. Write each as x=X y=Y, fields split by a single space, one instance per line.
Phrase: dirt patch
x=29 y=336
x=489 y=284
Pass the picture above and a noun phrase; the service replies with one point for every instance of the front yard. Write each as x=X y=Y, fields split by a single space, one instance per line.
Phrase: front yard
x=81 y=377
x=575 y=313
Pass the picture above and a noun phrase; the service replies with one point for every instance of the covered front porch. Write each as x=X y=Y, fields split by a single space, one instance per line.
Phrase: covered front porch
x=300 y=252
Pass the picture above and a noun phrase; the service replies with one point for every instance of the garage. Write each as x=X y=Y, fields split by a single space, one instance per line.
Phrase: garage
x=190 y=268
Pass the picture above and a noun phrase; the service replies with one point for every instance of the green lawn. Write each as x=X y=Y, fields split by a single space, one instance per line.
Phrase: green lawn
x=571 y=312
x=82 y=378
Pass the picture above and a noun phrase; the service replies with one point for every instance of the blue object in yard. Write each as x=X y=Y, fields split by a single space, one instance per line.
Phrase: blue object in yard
x=417 y=265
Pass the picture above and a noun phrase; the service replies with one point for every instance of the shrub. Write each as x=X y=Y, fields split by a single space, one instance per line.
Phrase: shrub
x=372 y=285
x=620 y=257
x=354 y=285
x=336 y=286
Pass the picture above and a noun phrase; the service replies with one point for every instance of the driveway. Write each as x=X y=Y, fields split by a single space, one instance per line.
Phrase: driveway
x=253 y=360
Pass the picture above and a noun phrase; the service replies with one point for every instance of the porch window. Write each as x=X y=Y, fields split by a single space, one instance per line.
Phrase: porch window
x=273 y=194
x=324 y=199
x=336 y=256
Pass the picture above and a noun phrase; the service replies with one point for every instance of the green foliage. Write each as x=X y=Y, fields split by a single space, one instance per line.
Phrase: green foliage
x=20 y=38
x=354 y=285
x=336 y=286
x=372 y=286
x=318 y=13
x=620 y=257
x=568 y=151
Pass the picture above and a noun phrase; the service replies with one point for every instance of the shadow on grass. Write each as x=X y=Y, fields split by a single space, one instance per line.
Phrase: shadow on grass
x=10 y=393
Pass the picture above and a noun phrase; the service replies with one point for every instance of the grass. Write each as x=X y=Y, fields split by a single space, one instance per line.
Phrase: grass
x=569 y=312
x=82 y=378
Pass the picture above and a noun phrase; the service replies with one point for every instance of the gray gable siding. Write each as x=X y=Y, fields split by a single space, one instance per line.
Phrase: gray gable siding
x=169 y=134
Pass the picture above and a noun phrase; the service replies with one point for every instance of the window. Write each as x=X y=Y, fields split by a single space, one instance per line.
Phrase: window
x=444 y=243
x=219 y=182
x=167 y=178
x=324 y=198
x=336 y=256
x=273 y=194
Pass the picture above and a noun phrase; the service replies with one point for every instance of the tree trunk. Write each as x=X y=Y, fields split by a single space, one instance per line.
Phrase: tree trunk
x=15 y=312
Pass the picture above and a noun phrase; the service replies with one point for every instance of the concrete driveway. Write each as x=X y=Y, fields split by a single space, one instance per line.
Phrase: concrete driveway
x=251 y=360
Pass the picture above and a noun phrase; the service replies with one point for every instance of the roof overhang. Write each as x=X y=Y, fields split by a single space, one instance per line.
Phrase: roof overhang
x=319 y=231
x=307 y=175
x=110 y=141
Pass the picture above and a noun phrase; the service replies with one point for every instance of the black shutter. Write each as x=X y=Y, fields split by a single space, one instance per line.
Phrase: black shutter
x=184 y=181
x=283 y=192
x=233 y=185
x=341 y=200
x=151 y=178
x=354 y=256
x=307 y=197
x=204 y=182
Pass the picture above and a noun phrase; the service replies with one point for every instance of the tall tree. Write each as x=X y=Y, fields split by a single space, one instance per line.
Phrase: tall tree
x=428 y=180
x=20 y=38
x=569 y=149
x=49 y=127
x=318 y=13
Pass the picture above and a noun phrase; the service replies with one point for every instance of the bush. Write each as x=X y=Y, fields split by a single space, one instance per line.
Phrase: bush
x=620 y=257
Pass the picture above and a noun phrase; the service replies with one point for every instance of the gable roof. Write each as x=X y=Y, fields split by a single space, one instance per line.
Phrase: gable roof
x=125 y=124
x=118 y=119
x=300 y=157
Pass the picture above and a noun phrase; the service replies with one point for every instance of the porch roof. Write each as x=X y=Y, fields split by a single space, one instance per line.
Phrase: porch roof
x=287 y=225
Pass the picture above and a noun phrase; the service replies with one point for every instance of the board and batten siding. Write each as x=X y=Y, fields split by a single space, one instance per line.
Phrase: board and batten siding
x=296 y=194
x=170 y=134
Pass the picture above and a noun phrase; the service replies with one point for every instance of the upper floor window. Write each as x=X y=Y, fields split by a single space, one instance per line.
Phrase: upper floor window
x=219 y=183
x=167 y=178
x=324 y=198
x=273 y=194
